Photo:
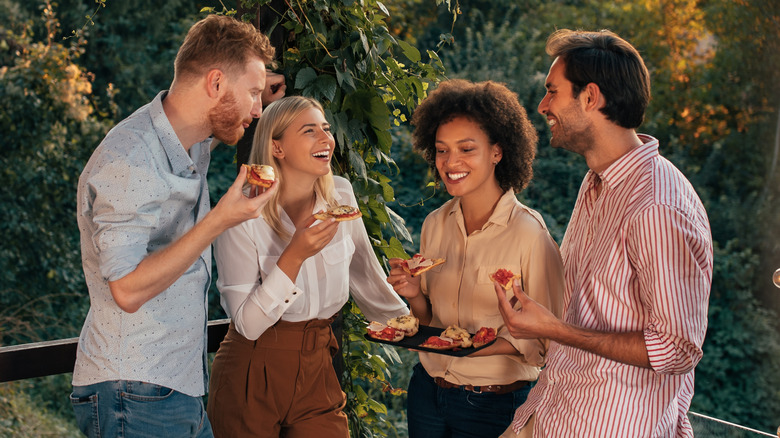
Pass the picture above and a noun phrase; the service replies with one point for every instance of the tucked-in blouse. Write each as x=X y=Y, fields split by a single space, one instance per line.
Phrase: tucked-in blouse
x=256 y=294
x=461 y=291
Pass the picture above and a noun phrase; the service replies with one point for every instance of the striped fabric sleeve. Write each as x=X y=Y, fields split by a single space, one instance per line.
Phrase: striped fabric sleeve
x=673 y=263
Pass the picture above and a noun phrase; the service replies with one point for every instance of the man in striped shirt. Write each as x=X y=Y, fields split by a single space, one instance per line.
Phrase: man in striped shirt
x=637 y=260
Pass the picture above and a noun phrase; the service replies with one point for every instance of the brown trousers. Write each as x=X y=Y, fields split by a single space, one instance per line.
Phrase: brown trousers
x=281 y=385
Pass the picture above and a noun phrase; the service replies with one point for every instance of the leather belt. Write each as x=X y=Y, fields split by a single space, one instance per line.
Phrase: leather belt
x=496 y=389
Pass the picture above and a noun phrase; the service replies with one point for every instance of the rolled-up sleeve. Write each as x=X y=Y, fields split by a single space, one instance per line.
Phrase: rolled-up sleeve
x=673 y=260
x=125 y=211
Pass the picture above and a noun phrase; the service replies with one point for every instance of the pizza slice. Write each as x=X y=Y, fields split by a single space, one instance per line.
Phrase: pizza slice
x=458 y=334
x=409 y=324
x=419 y=264
x=504 y=277
x=484 y=336
x=339 y=213
x=380 y=331
x=440 y=343
x=260 y=174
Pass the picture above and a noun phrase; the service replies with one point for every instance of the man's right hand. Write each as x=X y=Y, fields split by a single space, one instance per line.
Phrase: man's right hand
x=235 y=207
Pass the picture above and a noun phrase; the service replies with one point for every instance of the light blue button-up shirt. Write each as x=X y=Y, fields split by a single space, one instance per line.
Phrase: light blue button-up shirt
x=139 y=192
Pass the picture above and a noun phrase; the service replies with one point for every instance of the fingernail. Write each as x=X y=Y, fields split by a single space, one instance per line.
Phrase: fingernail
x=516 y=282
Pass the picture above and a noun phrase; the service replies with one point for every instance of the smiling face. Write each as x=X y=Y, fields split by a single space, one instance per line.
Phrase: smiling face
x=465 y=159
x=239 y=104
x=570 y=127
x=306 y=147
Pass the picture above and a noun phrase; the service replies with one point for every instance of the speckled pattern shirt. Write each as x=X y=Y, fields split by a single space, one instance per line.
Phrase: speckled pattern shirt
x=139 y=192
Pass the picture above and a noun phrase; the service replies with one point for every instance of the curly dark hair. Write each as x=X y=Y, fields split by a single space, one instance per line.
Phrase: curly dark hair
x=496 y=109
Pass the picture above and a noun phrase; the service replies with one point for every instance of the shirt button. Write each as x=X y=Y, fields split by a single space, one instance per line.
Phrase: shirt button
x=295 y=292
x=286 y=301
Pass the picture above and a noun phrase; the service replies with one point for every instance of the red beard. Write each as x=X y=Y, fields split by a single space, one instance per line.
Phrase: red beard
x=226 y=120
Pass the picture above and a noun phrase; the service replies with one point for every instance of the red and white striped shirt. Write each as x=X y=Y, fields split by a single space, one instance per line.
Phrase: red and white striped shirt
x=636 y=258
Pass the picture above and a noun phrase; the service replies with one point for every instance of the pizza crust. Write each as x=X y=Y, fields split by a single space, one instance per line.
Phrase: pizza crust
x=340 y=213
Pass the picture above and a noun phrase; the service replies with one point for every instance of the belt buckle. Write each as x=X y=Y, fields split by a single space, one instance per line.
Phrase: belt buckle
x=476 y=389
x=309 y=340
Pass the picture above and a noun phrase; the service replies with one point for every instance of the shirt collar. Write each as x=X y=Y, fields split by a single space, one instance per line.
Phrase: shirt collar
x=618 y=171
x=180 y=161
x=501 y=213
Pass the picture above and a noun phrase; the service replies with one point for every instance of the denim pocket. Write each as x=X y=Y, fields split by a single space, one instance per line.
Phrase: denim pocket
x=85 y=407
x=146 y=392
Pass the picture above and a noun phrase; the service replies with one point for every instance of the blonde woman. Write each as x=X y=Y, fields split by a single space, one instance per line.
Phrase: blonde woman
x=282 y=277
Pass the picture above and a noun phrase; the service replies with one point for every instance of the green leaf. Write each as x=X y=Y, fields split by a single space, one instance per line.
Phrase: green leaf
x=345 y=80
x=410 y=51
x=322 y=88
x=304 y=77
x=356 y=161
x=399 y=226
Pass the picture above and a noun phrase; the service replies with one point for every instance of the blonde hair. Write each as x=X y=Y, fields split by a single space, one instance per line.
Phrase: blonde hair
x=276 y=118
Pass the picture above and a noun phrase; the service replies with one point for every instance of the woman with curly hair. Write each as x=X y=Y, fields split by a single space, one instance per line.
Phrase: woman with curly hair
x=478 y=139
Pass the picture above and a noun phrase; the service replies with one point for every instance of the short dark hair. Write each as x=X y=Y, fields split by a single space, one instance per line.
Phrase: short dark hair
x=496 y=109
x=612 y=63
x=218 y=41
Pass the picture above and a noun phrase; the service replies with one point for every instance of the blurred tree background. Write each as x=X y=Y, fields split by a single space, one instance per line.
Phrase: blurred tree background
x=716 y=95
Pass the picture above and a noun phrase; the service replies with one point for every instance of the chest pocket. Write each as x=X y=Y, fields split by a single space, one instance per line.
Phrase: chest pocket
x=336 y=259
x=339 y=252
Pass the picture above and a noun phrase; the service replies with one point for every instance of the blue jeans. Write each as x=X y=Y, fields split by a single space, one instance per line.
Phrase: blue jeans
x=435 y=412
x=127 y=408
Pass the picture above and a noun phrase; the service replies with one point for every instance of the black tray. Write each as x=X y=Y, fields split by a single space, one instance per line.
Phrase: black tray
x=425 y=332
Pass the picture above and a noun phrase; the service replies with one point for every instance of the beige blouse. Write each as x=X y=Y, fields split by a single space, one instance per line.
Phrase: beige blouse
x=461 y=292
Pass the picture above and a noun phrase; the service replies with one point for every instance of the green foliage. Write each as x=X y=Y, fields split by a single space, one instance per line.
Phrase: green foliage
x=367 y=378
x=132 y=45
x=21 y=417
x=50 y=131
x=742 y=349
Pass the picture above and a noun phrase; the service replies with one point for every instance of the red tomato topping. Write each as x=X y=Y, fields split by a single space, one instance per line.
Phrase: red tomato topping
x=503 y=275
x=485 y=334
x=437 y=342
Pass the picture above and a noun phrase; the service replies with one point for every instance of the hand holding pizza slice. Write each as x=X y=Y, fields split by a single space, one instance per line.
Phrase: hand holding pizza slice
x=260 y=175
x=419 y=264
x=504 y=277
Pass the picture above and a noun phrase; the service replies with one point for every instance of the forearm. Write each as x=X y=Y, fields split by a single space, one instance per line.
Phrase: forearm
x=251 y=321
x=501 y=346
x=625 y=347
x=290 y=262
x=421 y=308
x=160 y=269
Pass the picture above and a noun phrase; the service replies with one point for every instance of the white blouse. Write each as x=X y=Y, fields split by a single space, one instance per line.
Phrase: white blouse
x=256 y=294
